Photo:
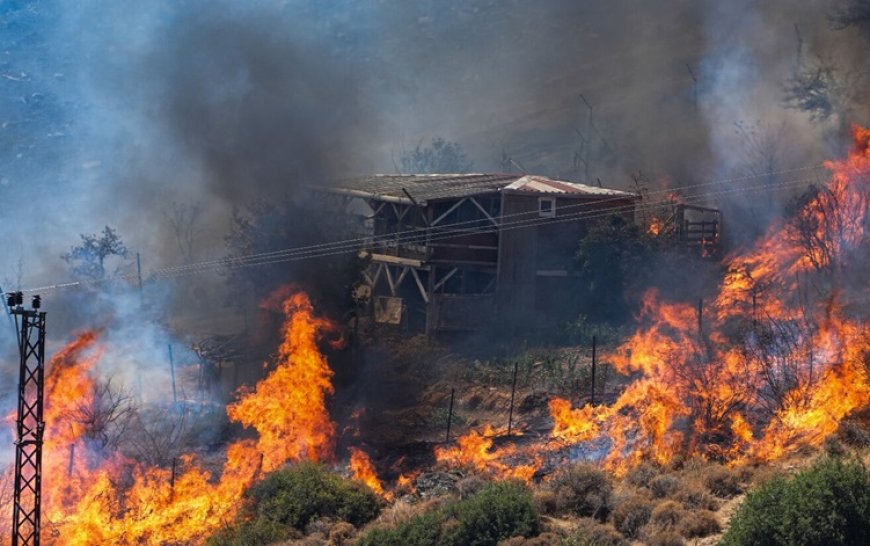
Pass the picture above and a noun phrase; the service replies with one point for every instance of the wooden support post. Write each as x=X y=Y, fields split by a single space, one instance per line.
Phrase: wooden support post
x=700 y=317
x=513 y=394
x=450 y=414
x=592 y=397
x=172 y=375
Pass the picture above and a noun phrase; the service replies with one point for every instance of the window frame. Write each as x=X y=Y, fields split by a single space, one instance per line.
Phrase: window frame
x=547 y=213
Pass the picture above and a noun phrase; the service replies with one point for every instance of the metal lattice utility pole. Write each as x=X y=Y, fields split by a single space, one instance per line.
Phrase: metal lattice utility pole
x=30 y=324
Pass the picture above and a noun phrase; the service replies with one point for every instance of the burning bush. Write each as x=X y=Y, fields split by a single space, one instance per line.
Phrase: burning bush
x=827 y=504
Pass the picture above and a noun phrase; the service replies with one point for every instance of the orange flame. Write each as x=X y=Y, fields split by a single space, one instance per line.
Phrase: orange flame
x=764 y=350
x=288 y=408
x=91 y=498
x=362 y=469
x=475 y=450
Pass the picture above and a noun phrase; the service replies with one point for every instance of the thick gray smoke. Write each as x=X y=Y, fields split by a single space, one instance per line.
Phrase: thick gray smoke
x=113 y=110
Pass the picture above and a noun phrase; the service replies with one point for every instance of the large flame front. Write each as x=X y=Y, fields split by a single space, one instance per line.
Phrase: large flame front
x=91 y=497
x=777 y=360
x=288 y=408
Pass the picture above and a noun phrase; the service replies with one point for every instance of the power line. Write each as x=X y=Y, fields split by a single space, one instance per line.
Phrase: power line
x=400 y=234
x=352 y=245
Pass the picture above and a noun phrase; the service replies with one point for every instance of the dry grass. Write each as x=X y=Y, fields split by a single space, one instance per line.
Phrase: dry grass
x=666 y=515
x=666 y=538
x=544 y=539
x=694 y=496
x=401 y=512
x=630 y=516
x=583 y=490
x=721 y=481
x=592 y=533
x=699 y=523
x=664 y=485
x=643 y=474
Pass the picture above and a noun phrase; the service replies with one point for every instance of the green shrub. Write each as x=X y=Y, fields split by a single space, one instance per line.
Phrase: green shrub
x=827 y=504
x=295 y=496
x=497 y=512
x=422 y=530
x=254 y=533
x=583 y=490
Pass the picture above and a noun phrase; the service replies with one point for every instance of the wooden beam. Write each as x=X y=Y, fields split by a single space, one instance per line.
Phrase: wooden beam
x=420 y=285
x=378 y=271
x=483 y=210
x=396 y=260
x=390 y=283
x=444 y=279
x=401 y=276
x=451 y=209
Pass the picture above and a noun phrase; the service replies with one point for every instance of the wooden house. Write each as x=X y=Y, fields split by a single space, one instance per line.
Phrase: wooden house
x=451 y=252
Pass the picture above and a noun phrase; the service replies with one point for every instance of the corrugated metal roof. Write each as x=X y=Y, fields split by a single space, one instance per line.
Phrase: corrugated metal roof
x=541 y=184
x=427 y=187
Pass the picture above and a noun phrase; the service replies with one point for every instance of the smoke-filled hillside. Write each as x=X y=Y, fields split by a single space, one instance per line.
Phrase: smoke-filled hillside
x=438 y=272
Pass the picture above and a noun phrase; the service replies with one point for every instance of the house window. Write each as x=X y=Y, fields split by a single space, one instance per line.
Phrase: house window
x=547 y=207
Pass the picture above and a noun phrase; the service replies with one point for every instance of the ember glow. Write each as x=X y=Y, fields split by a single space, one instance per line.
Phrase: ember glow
x=770 y=366
x=105 y=498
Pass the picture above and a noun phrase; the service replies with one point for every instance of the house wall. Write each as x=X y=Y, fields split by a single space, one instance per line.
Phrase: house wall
x=536 y=262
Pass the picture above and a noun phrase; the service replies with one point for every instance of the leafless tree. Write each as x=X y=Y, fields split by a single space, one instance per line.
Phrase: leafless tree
x=184 y=219
x=160 y=434
x=105 y=416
